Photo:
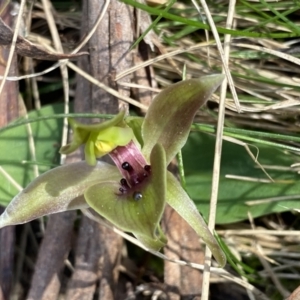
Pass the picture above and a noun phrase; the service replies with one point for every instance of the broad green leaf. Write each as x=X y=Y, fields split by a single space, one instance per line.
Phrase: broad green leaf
x=234 y=194
x=139 y=216
x=57 y=190
x=178 y=199
x=15 y=157
x=170 y=115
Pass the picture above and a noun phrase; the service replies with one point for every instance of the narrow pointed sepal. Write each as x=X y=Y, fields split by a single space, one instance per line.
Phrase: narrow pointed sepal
x=57 y=190
x=178 y=199
x=153 y=244
x=139 y=208
x=170 y=115
x=135 y=123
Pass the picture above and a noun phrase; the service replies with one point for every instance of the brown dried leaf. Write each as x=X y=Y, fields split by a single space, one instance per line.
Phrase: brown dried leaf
x=26 y=48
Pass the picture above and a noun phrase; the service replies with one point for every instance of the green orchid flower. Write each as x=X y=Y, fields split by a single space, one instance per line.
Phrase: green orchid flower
x=132 y=194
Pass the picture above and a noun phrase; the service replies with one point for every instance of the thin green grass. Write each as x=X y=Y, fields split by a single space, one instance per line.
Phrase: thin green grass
x=249 y=135
x=200 y=25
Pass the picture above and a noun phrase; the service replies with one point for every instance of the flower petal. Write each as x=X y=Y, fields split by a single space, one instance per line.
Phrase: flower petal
x=109 y=138
x=89 y=150
x=80 y=136
x=185 y=207
x=138 y=211
x=135 y=123
x=121 y=136
x=57 y=190
x=82 y=131
x=169 y=117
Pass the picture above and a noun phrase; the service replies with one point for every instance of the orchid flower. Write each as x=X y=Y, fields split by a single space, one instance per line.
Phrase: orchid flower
x=132 y=194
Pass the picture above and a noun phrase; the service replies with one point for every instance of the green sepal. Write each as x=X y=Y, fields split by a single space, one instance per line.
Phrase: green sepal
x=56 y=190
x=140 y=217
x=154 y=244
x=178 y=199
x=170 y=115
x=135 y=123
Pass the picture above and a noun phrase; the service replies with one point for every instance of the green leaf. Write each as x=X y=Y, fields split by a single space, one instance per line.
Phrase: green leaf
x=234 y=194
x=142 y=216
x=57 y=190
x=178 y=199
x=170 y=115
x=15 y=157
